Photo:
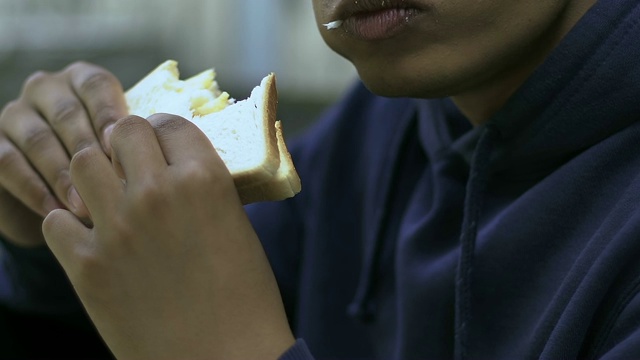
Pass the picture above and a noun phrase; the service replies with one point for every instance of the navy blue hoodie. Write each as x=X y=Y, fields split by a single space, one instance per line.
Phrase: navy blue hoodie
x=418 y=236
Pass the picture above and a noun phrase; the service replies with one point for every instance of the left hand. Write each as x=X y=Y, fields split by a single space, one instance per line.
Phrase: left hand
x=171 y=267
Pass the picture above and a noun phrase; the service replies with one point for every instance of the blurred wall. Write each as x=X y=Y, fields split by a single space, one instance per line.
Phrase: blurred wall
x=243 y=39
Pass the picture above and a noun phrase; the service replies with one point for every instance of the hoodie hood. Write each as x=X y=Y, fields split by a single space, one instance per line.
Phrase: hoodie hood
x=578 y=97
x=585 y=91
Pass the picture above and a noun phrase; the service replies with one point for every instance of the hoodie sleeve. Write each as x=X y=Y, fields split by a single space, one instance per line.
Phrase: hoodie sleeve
x=280 y=233
x=38 y=306
x=299 y=351
x=32 y=281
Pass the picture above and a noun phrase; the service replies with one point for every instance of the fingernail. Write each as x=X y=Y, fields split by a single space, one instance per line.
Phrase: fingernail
x=75 y=200
x=107 y=137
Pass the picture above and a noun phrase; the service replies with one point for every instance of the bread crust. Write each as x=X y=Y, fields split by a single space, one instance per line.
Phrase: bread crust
x=271 y=163
x=284 y=184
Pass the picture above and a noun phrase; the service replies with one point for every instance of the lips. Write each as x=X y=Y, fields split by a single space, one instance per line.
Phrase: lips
x=350 y=8
x=376 y=19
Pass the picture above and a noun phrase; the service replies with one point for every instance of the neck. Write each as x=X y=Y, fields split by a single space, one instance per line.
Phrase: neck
x=481 y=102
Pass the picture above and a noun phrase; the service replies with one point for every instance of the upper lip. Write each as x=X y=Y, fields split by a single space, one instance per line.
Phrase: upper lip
x=348 y=8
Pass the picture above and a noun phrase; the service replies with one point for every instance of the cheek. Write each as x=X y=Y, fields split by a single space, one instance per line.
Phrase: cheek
x=322 y=10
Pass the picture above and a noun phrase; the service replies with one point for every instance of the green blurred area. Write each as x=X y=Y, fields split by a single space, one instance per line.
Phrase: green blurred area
x=244 y=40
x=129 y=65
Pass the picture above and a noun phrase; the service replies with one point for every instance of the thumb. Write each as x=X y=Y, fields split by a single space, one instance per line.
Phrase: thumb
x=65 y=235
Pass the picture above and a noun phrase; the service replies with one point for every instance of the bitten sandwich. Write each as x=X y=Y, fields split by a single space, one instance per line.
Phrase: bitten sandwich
x=245 y=133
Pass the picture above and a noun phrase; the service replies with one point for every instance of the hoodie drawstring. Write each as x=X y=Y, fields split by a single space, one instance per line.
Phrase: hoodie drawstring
x=476 y=187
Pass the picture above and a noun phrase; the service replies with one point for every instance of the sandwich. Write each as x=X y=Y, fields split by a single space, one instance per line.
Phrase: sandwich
x=245 y=133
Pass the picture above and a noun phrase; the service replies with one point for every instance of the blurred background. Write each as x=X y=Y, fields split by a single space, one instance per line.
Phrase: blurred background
x=243 y=39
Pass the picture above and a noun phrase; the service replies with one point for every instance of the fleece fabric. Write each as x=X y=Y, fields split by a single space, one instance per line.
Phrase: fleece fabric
x=417 y=236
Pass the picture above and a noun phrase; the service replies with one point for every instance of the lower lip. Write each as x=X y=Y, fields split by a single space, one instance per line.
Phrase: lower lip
x=379 y=25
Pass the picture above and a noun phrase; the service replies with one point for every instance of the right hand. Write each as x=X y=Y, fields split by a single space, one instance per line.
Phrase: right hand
x=56 y=115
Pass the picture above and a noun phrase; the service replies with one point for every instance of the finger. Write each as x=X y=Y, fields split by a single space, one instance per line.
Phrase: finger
x=61 y=108
x=181 y=140
x=66 y=236
x=23 y=182
x=102 y=95
x=136 y=150
x=96 y=182
x=18 y=224
x=77 y=206
x=31 y=152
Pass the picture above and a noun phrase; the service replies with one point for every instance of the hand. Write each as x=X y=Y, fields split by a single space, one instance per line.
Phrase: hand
x=172 y=267
x=55 y=116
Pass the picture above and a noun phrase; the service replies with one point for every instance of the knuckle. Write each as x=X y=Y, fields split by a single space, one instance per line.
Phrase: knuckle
x=167 y=124
x=167 y=121
x=65 y=112
x=90 y=266
x=149 y=196
x=141 y=203
x=9 y=157
x=105 y=115
x=83 y=158
x=128 y=122
x=128 y=126
x=30 y=188
x=9 y=110
x=36 y=79
x=11 y=107
x=89 y=262
x=195 y=171
x=120 y=233
x=195 y=176
x=36 y=139
x=77 y=66
x=96 y=80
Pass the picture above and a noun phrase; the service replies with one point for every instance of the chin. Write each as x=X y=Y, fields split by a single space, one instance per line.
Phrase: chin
x=395 y=89
x=415 y=83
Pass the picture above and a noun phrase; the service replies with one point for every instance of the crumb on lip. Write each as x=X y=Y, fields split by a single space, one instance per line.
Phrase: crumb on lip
x=333 y=25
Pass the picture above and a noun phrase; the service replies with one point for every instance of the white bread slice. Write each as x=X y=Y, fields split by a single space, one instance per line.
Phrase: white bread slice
x=284 y=184
x=243 y=133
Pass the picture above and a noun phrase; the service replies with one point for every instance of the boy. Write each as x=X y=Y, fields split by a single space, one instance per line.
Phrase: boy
x=487 y=210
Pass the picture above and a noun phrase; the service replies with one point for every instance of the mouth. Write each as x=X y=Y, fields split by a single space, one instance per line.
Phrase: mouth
x=373 y=20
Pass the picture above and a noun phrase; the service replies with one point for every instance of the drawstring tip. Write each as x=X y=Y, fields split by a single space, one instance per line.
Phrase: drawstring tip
x=361 y=312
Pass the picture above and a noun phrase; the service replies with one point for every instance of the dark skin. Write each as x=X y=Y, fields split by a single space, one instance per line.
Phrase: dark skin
x=172 y=251
x=477 y=52
x=195 y=284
